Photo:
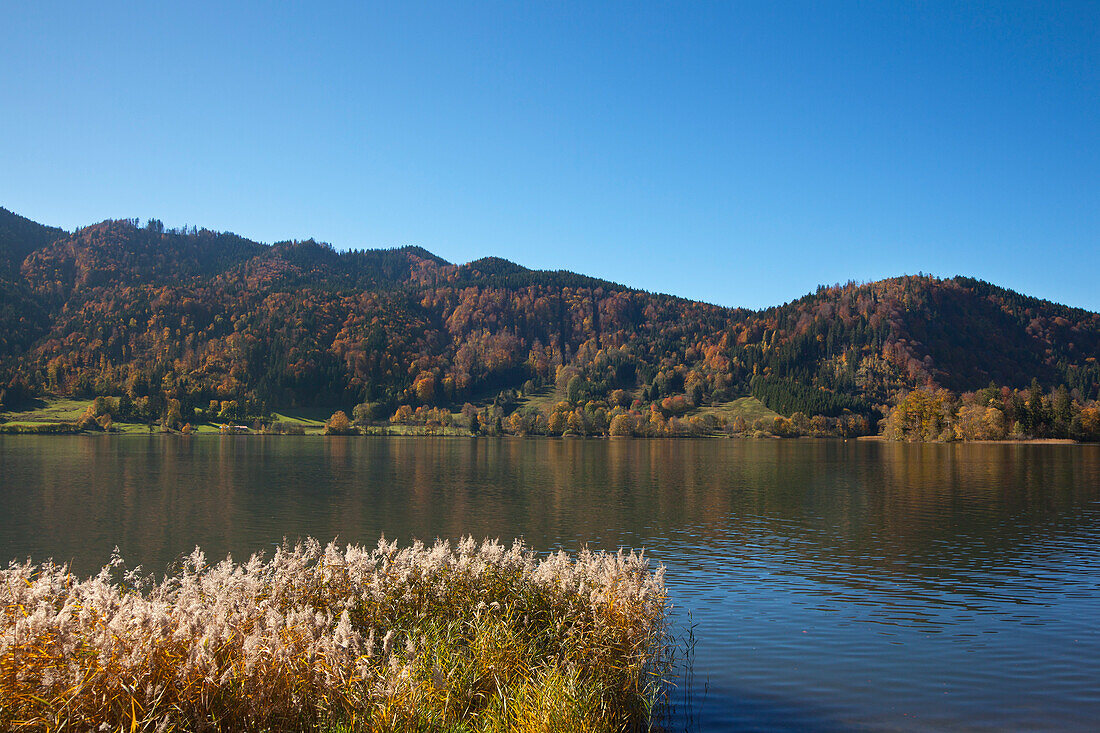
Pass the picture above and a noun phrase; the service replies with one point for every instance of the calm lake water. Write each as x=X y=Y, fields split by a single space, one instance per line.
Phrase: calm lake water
x=834 y=585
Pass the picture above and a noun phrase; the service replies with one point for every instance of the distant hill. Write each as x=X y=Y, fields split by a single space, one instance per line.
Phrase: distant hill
x=19 y=237
x=22 y=319
x=120 y=308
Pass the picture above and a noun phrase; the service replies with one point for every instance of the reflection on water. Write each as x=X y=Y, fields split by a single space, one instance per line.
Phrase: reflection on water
x=834 y=584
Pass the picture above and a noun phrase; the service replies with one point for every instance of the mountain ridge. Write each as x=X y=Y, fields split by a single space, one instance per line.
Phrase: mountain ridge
x=199 y=316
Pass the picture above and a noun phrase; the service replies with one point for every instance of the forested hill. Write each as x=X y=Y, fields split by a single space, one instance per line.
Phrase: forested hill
x=195 y=316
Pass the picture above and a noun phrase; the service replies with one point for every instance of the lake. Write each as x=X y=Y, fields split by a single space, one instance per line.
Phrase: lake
x=833 y=585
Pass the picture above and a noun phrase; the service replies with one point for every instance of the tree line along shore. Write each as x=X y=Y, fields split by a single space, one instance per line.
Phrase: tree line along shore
x=922 y=415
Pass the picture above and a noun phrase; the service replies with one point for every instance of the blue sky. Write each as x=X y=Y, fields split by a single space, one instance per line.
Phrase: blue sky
x=739 y=153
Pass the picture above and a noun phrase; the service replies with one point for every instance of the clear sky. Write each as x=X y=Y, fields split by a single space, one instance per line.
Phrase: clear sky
x=739 y=153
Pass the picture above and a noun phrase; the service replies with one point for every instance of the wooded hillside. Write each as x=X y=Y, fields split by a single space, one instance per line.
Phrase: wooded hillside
x=181 y=319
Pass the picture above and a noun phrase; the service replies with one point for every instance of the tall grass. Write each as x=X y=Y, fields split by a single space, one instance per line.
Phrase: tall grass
x=464 y=638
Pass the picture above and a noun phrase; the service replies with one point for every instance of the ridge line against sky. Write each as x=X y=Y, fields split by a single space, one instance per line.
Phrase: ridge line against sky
x=735 y=154
x=613 y=281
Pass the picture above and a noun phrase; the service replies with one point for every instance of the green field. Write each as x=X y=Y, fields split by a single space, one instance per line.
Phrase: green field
x=311 y=421
x=543 y=401
x=749 y=408
x=52 y=410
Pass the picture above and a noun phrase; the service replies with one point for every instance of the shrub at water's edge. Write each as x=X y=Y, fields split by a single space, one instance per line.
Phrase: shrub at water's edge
x=465 y=637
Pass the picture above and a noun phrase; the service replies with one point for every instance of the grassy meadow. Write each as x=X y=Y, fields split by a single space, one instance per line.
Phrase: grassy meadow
x=748 y=408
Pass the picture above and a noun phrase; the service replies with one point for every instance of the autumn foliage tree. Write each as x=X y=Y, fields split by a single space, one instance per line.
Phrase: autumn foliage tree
x=339 y=424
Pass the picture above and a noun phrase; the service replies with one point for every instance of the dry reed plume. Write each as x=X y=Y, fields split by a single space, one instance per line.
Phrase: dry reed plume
x=466 y=637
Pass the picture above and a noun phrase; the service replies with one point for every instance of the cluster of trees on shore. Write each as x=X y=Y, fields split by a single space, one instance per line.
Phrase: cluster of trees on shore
x=184 y=326
x=595 y=419
x=993 y=413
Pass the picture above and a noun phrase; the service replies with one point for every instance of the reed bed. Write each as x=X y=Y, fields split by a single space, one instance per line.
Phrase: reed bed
x=465 y=637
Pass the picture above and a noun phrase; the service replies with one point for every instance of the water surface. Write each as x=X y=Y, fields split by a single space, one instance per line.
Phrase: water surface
x=833 y=585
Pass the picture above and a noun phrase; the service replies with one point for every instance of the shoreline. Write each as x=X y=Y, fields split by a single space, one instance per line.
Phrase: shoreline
x=1028 y=441
x=259 y=434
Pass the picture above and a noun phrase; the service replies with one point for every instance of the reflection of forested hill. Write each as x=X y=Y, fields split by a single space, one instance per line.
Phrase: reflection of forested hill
x=117 y=308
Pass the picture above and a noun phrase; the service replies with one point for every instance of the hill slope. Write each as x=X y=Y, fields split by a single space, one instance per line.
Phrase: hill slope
x=122 y=309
